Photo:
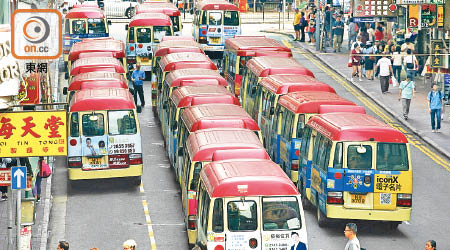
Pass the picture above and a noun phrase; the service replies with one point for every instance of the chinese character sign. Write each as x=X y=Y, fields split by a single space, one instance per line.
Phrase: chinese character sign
x=374 y=8
x=29 y=90
x=413 y=16
x=429 y=15
x=39 y=133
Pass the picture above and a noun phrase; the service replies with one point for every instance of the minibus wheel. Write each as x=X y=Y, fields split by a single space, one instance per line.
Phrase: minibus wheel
x=136 y=180
x=393 y=225
x=321 y=218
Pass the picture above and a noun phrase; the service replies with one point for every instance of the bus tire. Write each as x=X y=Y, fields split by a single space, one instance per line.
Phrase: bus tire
x=129 y=13
x=393 y=225
x=136 y=180
x=321 y=218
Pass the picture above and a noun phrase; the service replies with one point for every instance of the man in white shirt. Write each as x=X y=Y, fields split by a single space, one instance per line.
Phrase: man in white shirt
x=350 y=233
x=385 y=71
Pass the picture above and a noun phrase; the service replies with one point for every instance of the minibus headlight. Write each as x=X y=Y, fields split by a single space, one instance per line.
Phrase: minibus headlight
x=140 y=45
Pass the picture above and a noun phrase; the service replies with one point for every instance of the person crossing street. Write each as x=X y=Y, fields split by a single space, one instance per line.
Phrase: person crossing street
x=138 y=77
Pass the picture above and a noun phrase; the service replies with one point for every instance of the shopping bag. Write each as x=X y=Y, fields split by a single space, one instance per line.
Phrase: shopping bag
x=349 y=62
x=394 y=82
x=45 y=170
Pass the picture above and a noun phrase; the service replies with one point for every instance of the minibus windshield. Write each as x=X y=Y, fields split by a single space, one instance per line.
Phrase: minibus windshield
x=122 y=122
x=231 y=18
x=96 y=25
x=93 y=124
x=280 y=213
x=392 y=157
x=215 y=18
x=242 y=216
x=78 y=27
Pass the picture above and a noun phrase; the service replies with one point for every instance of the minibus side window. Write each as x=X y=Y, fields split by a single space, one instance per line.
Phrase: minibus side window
x=175 y=23
x=159 y=32
x=232 y=64
x=306 y=139
x=217 y=220
x=288 y=120
x=280 y=213
x=93 y=124
x=276 y=119
x=74 y=125
x=392 y=157
x=316 y=149
x=203 y=20
x=242 y=216
x=231 y=18
x=131 y=34
x=196 y=175
x=324 y=152
x=205 y=208
x=122 y=122
x=266 y=104
x=300 y=126
x=78 y=27
x=359 y=160
x=243 y=60
x=187 y=169
x=96 y=25
x=337 y=162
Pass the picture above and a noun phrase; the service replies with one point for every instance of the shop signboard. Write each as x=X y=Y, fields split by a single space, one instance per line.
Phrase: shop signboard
x=413 y=16
x=407 y=2
x=428 y=16
x=29 y=89
x=440 y=16
x=374 y=8
x=437 y=48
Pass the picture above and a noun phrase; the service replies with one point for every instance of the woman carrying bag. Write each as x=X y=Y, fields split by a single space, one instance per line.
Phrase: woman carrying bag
x=44 y=172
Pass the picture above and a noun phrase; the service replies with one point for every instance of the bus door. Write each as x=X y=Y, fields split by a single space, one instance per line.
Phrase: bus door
x=305 y=157
x=265 y=113
x=242 y=222
x=290 y=145
x=275 y=136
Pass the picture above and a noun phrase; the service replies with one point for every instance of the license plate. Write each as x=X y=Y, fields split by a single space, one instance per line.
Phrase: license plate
x=358 y=199
x=144 y=59
x=214 y=39
x=95 y=161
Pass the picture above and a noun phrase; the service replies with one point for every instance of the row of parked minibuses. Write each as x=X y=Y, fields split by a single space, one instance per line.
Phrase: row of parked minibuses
x=239 y=143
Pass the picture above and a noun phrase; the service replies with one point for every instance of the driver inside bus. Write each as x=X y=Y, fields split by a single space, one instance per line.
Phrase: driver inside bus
x=356 y=162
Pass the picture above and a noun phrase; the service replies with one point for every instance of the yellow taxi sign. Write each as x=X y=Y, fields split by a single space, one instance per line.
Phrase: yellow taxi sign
x=38 y=133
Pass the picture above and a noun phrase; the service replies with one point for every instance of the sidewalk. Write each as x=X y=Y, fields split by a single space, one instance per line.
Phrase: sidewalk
x=419 y=118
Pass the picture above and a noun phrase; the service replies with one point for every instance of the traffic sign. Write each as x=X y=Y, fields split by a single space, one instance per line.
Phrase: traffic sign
x=5 y=177
x=19 y=178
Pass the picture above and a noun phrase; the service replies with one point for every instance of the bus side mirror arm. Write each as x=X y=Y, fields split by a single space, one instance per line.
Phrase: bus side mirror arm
x=65 y=91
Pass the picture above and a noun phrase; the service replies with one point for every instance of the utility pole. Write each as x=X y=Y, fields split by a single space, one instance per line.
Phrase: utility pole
x=18 y=211
x=284 y=8
x=10 y=218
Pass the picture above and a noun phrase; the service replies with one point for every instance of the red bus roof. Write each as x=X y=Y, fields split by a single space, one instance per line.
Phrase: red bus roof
x=177 y=38
x=90 y=64
x=150 y=19
x=308 y=102
x=85 y=13
x=98 y=76
x=202 y=144
x=268 y=65
x=248 y=46
x=205 y=94
x=177 y=46
x=102 y=99
x=355 y=127
x=217 y=116
x=85 y=5
x=158 y=7
x=217 y=5
x=97 y=84
x=233 y=154
x=283 y=84
x=115 y=47
x=237 y=178
x=177 y=77
x=186 y=60
x=341 y=108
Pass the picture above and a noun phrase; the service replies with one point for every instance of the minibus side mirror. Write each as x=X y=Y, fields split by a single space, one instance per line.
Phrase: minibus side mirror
x=126 y=26
x=180 y=151
x=65 y=91
x=66 y=75
x=109 y=22
x=272 y=111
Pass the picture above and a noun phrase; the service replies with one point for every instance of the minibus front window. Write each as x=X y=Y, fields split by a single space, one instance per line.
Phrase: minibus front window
x=215 y=18
x=122 y=122
x=78 y=27
x=93 y=124
x=280 y=213
x=159 y=32
x=242 y=216
x=392 y=157
x=231 y=18
x=96 y=26
x=359 y=157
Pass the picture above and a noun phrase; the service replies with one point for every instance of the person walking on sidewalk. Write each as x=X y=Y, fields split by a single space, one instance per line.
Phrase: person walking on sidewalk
x=356 y=62
x=397 y=62
x=353 y=30
x=430 y=245
x=435 y=101
x=138 y=77
x=63 y=245
x=350 y=233
x=338 y=31
x=303 y=25
x=406 y=93
x=385 y=69
x=297 y=18
x=411 y=64
x=312 y=28
x=369 y=60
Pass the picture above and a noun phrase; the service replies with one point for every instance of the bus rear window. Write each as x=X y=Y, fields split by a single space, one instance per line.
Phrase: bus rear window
x=392 y=157
x=159 y=32
x=74 y=125
x=93 y=124
x=96 y=26
x=215 y=18
x=231 y=18
x=122 y=122
x=280 y=213
x=143 y=35
x=359 y=157
x=242 y=216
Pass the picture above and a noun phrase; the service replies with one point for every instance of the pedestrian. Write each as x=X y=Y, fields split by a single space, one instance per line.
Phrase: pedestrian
x=379 y=34
x=385 y=69
x=338 y=33
x=407 y=45
x=411 y=64
x=406 y=93
x=312 y=28
x=353 y=30
x=397 y=62
x=63 y=245
x=138 y=77
x=369 y=60
x=297 y=18
x=371 y=32
x=430 y=245
x=350 y=233
x=303 y=25
x=356 y=62
x=364 y=36
x=435 y=101
x=4 y=163
x=129 y=245
x=37 y=183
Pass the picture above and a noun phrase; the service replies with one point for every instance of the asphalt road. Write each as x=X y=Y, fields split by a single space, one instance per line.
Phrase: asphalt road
x=104 y=213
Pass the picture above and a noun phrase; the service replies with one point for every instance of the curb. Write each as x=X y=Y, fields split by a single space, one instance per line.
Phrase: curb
x=47 y=208
x=390 y=111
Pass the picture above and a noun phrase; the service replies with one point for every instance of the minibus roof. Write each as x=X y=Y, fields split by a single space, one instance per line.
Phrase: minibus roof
x=186 y=60
x=89 y=4
x=268 y=65
x=248 y=46
x=102 y=99
x=234 y=154
x=217 y=116
x=236 y=178
x=176 y=77
x=355 y=127
x=115 y=47
x=158 y=7
x=206 y=94
x=90 y=64
x=217 y=5
x=308 y=102
x=177 y=38
x=174 y=46
x=202 y=144
x=341 y=108
x=97 y=76
x=150 y=19
x=283 y=84
x=102 y=84
x=85 y=13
